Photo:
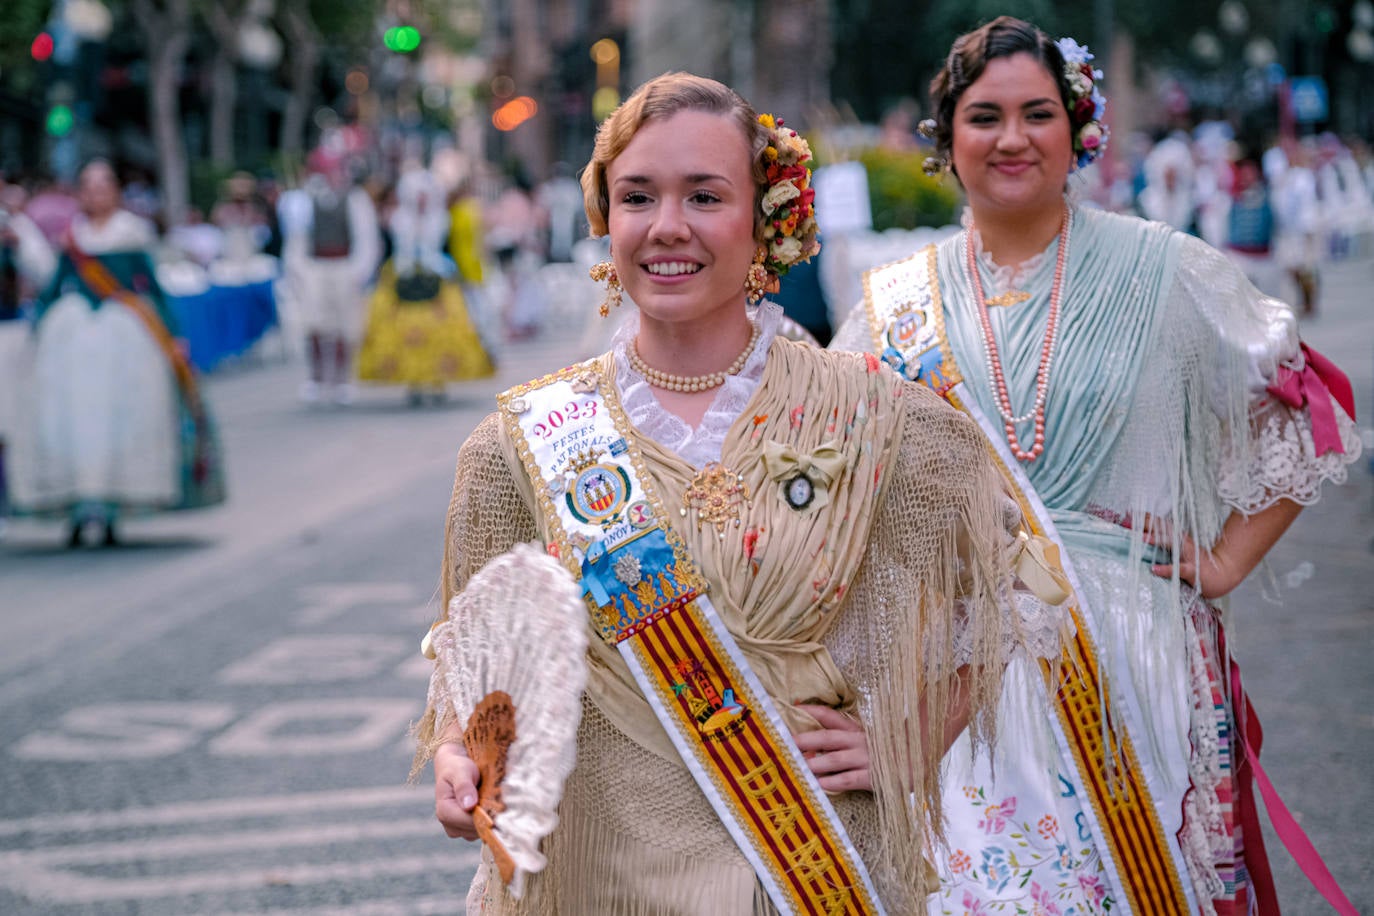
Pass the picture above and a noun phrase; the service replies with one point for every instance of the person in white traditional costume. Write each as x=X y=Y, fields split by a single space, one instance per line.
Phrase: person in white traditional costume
x=1169 y=178
x=113 y=421
x=27 y=264
x=331 y=251
x=767 y=760
x=419 y=331
x=1298 y=218
x=240 y=216
x=1162 y=421
x=516 y=225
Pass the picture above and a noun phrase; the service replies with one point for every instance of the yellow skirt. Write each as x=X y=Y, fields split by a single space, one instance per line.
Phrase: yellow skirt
x=423 y=344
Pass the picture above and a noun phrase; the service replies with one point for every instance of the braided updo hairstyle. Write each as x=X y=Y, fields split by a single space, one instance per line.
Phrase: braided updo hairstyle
x=969 y=56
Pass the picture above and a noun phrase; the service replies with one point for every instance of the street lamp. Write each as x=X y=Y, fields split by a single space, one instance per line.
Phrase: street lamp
x=1233 y=18
x=260 y=50
x=1206 y=47
x=89 y=20
x=1260 y=53
x=1360 y=44
x=1363 y=15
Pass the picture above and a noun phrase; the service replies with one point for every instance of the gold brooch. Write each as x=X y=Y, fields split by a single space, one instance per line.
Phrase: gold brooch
x=715 y=493
x=1010 y=297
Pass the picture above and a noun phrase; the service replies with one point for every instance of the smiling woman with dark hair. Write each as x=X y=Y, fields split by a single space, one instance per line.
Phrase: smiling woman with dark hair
x=1161 y=420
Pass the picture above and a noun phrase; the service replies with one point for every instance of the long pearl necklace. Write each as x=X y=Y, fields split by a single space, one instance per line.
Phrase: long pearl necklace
x=1042 y=374
x=689 y=383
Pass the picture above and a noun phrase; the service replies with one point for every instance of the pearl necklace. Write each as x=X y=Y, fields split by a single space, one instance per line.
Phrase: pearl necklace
x=1042 y=374
x=689 y=383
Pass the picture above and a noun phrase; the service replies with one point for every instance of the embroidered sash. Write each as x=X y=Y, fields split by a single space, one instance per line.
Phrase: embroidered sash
x=104 y=285
x=207 y=487
x=906 y=318
x=647 y=598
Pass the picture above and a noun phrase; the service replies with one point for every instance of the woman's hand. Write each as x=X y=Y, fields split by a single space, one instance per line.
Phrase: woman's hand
x=1242 y=545
x=837 y=752
x=1206 y=568
x=455 y=790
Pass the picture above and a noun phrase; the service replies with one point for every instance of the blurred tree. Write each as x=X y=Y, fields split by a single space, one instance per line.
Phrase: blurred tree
x=224 y=19
x=166 y=27
x=310 y=27
x=786 y=33
x=886 y=50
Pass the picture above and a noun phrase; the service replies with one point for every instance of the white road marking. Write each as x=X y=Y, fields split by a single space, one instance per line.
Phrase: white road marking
x=182 y=846
x=365 y=724
x=70 y=887
x=220 y=809
x=317 y=658
x=415 y=906
x=193 y=840
x=125 y=731
x=320 y=603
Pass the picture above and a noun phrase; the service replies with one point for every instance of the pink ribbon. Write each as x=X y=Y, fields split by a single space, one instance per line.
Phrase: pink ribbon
x=1315 y=387
x=1286 y=826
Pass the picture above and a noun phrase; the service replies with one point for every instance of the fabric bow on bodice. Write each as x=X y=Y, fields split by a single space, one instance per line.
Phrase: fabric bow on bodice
x=821 y=466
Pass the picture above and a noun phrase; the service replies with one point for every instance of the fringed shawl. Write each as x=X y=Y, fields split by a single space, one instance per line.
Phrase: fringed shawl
x=855 y=604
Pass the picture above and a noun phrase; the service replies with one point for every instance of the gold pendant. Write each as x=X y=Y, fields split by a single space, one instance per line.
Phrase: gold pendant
x=715 y=493
x=1010 y=297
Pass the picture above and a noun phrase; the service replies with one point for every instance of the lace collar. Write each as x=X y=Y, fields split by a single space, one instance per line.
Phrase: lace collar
x=701 y=445
x=1011 y=276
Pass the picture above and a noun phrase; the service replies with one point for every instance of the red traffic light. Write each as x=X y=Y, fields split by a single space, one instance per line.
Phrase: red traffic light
x=41 y=49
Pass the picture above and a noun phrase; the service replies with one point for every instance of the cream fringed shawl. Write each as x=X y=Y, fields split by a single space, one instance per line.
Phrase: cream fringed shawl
x=854 y=605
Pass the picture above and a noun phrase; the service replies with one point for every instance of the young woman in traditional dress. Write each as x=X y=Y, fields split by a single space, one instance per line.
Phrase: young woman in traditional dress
x=1163 y=422
x=851 y=535
x=114 y=423
x=419 y=329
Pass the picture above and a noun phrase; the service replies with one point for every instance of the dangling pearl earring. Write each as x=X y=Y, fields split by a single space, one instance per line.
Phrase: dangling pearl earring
x=604 y=272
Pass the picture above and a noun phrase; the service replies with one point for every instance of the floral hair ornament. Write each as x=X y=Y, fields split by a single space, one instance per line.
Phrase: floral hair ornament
x=789 y=202
x=1088 y=105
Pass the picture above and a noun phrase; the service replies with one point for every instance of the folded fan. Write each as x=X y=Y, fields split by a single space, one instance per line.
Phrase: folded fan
x=512 y=658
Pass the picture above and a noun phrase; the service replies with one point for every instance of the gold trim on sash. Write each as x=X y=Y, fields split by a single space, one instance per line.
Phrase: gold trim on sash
x=609 y=527
x=1123 y=812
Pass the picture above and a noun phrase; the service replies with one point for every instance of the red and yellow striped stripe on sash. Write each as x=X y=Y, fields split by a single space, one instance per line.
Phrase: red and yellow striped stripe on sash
x=758 y=779
x=1112 y=780
x=682 y=656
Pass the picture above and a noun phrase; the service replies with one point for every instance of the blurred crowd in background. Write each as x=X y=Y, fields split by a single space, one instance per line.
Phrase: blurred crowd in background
x=389 y=195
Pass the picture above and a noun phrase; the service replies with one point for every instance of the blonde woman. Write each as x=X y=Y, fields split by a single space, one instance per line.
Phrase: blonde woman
x=787 y=478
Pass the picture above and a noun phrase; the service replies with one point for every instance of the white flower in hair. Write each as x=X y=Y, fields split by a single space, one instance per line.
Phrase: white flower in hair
x=786 y=249
x=1087 y=106
x=778 y=195
x=1073 y=52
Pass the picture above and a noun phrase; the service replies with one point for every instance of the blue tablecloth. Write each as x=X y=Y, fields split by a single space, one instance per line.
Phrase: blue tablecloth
x=224 y=321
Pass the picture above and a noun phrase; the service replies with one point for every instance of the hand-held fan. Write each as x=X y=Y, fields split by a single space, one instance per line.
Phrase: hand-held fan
x=512 y=657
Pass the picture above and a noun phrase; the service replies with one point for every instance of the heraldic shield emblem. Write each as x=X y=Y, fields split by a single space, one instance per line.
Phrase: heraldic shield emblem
x=598 y=493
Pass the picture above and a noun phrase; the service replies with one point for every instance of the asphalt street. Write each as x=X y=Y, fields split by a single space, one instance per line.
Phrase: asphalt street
x=212 y=717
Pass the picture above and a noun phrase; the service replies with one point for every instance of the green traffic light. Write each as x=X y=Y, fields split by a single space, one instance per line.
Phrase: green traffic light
x=60 y=121
x=402 y=39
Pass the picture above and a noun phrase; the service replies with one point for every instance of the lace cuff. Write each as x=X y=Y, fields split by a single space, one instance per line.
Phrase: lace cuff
x=1037 y=631
x=1281 y=460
